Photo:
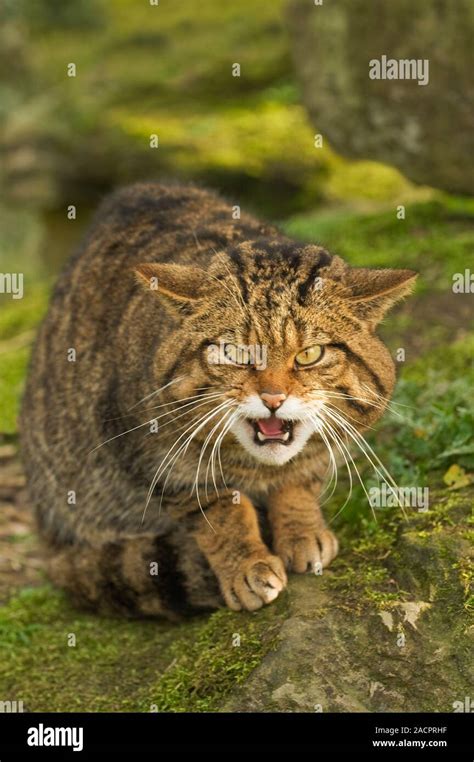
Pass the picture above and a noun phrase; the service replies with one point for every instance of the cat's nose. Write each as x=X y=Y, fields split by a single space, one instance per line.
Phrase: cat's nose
x=272 y=400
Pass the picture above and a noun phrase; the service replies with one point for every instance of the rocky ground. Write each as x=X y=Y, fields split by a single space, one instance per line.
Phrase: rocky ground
x=388 y=628
x=21 y=560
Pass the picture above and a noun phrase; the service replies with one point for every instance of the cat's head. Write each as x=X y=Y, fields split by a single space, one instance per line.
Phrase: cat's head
x=285 y=334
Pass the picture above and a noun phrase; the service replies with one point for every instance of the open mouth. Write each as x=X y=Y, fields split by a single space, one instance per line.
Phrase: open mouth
x=272 y=430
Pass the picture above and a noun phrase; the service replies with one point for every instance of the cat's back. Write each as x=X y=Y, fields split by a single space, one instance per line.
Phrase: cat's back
x=144 y=222
x=100 y=325
x=101 y=330
x=149 y=222
x=97 y=305
x=141 y=223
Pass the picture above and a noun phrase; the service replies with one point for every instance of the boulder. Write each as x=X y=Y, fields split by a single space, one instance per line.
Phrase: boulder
x=426 y=130
x=386 y=635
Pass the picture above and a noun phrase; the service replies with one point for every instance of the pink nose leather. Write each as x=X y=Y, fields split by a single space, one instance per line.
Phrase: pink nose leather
x=273 y=400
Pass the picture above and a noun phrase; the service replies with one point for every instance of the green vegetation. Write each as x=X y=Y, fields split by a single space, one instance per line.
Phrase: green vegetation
x=18 y=321
x=376 y=571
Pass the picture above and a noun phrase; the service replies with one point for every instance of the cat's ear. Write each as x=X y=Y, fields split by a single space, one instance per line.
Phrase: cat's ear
x=180 y=283
x=374 y=292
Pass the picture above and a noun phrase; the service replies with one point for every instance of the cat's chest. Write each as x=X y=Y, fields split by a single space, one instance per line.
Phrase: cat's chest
x=258 y=483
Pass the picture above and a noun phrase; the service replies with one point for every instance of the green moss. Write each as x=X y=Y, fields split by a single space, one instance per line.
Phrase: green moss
x=119 y=665
x=465 y=568
x=221 y=656
x=377 y=574
x=22 y=315
x=371 y=181
x=18 y=319
x=434 y=238
x=265 y=143
x=365 y=586
x=376 y=543
x=12 y=373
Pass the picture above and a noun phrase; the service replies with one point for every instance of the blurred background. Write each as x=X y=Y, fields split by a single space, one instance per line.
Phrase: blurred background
x=388 y=182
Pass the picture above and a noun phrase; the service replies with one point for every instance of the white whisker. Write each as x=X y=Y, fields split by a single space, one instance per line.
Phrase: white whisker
x=345 y=451
x=235 y=417
x=340 y=445
x=360 y=423
x=367 y=450
x=151 y=420
x=184 y=448
x=201 y=456
x=386 y=399
x=334 y=472
x=170 y=457
x=210 y=462
x=157 y=391
x=194 y=405
x=183 y=399
x=337 y=395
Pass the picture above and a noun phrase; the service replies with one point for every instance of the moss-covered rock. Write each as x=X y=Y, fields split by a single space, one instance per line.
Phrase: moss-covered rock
x=393 y=635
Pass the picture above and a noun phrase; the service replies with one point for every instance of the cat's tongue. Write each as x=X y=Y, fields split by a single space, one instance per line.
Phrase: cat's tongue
x=271 y=427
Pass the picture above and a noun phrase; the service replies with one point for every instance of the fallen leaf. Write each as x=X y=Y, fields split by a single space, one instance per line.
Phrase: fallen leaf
x=456 y=477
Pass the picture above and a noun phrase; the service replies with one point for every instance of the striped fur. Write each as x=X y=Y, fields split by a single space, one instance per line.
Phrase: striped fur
x=108 y=344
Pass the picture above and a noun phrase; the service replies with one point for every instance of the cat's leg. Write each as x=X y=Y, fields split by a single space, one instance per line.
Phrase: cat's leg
x=248 y=574
x=300 y=535
x=138 y=576
x=198 y=564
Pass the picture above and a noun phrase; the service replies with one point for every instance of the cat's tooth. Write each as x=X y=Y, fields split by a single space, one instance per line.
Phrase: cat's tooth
x=286 y=436
x=261 y=436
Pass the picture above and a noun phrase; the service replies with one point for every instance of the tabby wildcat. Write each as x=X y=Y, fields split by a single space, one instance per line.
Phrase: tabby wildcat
x=194 y=371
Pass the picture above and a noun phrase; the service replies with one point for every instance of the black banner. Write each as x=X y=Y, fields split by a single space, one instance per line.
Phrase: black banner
x=88 y=736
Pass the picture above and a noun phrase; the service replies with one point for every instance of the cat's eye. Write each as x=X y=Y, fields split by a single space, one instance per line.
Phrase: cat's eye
x=238 y=355
x=309 y=356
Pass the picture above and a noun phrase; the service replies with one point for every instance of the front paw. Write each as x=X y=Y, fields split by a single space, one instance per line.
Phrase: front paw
x=309 y=551
x=255 y=581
